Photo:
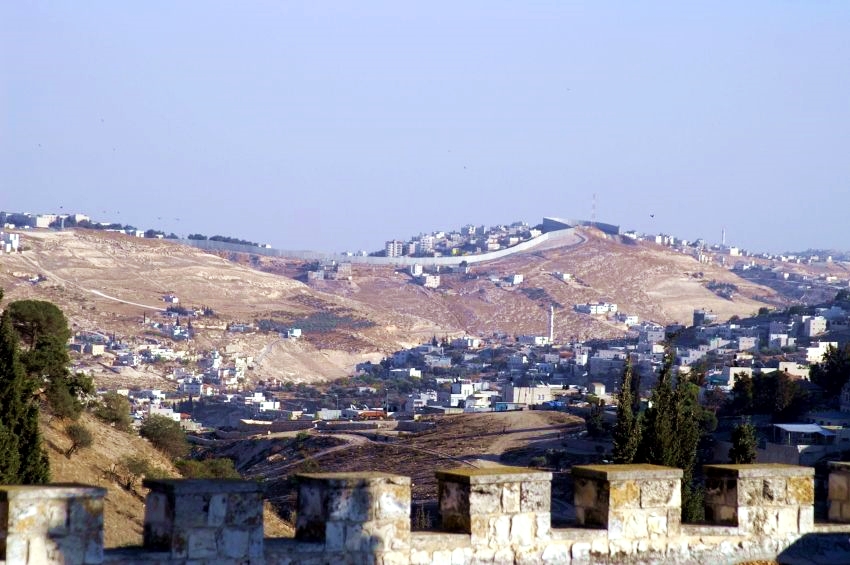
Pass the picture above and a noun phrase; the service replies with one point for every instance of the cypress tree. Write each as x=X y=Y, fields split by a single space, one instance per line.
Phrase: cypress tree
x=627 y=431
x=743 y=443
x=22 y=458
x=671 y=432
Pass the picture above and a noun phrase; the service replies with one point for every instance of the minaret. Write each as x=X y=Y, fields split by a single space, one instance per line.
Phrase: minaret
x=551 y=323
x=723 y=237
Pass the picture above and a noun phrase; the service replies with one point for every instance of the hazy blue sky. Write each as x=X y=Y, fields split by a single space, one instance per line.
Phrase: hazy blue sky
x=337 y=125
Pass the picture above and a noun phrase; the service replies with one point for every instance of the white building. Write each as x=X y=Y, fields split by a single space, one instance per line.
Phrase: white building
x=430 y=281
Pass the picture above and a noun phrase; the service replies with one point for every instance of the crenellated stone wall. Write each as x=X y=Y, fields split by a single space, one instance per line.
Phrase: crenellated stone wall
x=766 y=499
x=498 y=515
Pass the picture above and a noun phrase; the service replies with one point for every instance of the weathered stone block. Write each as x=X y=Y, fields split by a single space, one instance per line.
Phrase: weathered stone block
x=660 y=493
x=536 y=496
x=522 y=529
x=201 y=544
x=839 y=485
x=589 y=493
x=788 y=519
x=556 y=554
x=806 y=519
x=485 y=499
x=773 y=491
x=624 y=494
x=801 y=490
x=511 y=498
x=656 y=524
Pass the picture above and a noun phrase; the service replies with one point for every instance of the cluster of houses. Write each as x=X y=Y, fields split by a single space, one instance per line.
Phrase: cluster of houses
x=330 y=270
x=468 y=239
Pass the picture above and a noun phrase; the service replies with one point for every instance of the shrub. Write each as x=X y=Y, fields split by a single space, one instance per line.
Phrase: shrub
x=115 y=409
x=166 y=435
x=221 y=468
x=80 y=437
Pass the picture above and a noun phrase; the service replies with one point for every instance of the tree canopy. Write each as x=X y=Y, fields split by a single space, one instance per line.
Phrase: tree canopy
x=22 y=457
x=43 y=331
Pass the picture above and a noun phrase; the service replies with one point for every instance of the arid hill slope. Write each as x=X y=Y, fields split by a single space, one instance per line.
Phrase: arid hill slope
x=107 y=282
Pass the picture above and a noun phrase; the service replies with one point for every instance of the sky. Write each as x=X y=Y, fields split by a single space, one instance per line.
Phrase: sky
x=335 y=126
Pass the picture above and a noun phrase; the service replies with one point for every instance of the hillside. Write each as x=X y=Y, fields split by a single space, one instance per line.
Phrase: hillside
x=101 y=465
x=645 y=279
x=107 y=282
x=110 y=282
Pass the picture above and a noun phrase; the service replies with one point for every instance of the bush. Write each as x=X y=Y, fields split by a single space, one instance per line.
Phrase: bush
x=166 y=435
x=538 y=461
x=137 y=468
x=80 y=437
x=115 y=409
x=221 y=468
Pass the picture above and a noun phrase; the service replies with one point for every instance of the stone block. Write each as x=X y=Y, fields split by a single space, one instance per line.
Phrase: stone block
x=674 y=521
x=485 y=499
x=788 y=519
x=543 y=525
x=234 y=543
x=660 y=493
x=393 y=503
x=834 y=514
x=511 y=498
x=555 y=554
x=334 y=535
x=522 y=529
x=806 y=522
x=749 y=491
x=536 y=496
x=217 y=510
x=589 y=493
x=202 y=544
x=773 y=491
x=349 y=504
x=839 y=485
x=624 y=494
x=656 y=524
x=801 y=490
x=580 y=551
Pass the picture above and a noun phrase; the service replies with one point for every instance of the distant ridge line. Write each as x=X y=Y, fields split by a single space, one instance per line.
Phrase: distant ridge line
x=552 y=236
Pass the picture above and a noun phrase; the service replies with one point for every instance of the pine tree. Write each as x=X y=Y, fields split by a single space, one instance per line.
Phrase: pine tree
x=743 y=443
x=22 y=458
x=627 y=431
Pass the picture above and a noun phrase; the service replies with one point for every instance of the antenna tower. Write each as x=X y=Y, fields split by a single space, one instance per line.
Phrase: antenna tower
x=593 y=212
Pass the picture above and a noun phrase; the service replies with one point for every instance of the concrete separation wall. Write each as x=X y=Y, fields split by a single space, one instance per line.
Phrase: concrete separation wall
x=568 y=236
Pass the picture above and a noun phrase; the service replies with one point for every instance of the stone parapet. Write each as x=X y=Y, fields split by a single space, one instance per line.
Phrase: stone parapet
x=359 y=517
x=631 y=501
x=496 y=505
x=499 y=515
x=53 y=524
x=839 y=491
x=763 y=499
x=205 y=519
